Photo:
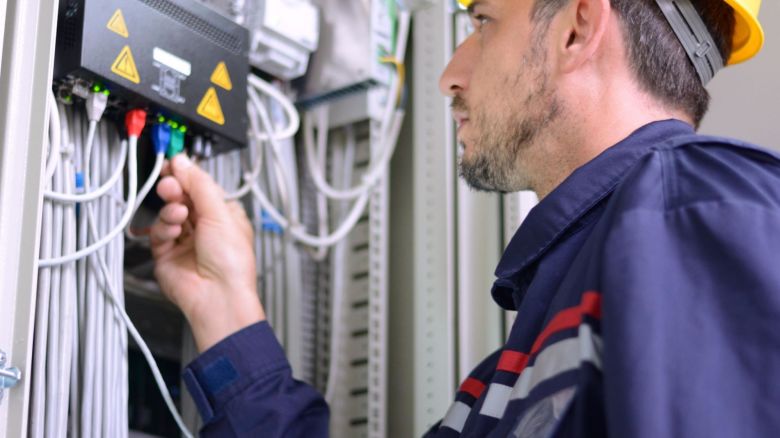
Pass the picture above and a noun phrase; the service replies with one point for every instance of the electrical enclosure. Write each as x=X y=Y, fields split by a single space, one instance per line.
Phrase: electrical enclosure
x=283 y=33
x=348 y=57
x=174 y=57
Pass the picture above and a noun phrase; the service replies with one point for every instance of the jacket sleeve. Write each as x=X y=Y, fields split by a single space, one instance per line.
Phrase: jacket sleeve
x=243 y=387
x=692 y=321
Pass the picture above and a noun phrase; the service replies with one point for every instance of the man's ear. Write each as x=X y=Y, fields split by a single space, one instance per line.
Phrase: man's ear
x=580 y=32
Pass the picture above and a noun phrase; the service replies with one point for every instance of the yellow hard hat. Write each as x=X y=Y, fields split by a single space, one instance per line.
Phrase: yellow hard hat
x=748 y=34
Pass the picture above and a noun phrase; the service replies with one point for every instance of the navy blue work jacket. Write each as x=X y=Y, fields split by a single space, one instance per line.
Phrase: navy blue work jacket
x=647 y=287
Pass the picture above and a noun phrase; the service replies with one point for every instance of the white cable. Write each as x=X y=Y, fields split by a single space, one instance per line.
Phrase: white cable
x=131 y=200
x=293 y=117
x=67 y=296
x=136 y=335
x=339 y=281
x=159 y=161
x=297 y=232
x=55 y=133
x=253 y=107
x=296 y=229
x=53 y=342
x=102 y=190
x=371 y=177
x=381 y=165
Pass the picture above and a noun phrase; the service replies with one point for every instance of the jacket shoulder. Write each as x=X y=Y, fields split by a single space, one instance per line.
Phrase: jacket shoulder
x=699 y=169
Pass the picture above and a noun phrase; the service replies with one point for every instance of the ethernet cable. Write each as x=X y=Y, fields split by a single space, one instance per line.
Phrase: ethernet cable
x=135 y=123
x=338 y=286
x=371 y=177
x=131 y=201
x=293 y=117
x=254 y=104
x=161 y=139
x=94 y=194
x=55 y=134
x=392 y=116
x=112 y=295
x=293 y=226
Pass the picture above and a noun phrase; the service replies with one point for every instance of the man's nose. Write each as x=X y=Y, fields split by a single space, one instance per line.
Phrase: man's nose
x=455 y=78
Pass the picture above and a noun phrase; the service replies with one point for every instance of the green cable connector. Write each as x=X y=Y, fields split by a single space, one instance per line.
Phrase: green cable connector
x=177 y=143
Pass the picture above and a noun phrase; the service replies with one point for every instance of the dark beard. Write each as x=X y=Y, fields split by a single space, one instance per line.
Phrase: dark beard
x=494 y=167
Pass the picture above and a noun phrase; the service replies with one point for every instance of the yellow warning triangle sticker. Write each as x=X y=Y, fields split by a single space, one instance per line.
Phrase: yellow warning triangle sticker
x=221 y=77
x=210 y=107
x=125 y=67
x=117 y=24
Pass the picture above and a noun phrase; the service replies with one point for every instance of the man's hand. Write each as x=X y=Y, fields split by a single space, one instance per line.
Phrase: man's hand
x=203 y=252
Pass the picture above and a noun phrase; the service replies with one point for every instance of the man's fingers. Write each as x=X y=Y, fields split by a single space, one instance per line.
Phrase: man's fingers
x=170 y=190
x=206 y=196
x=162 y=232
x=174 y=214
x=160 y=247
x=166 y=169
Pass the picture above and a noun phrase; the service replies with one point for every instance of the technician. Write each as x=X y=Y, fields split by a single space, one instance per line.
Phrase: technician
x=646 y=281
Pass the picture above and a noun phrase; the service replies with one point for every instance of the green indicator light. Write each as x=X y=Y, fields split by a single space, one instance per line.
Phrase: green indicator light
x=106 y=92
x=175 y=125
x=160 y=119
x=183 y=129
x=96 y=88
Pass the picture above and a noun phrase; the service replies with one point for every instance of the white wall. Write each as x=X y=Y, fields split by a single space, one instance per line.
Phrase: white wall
x=746 y=97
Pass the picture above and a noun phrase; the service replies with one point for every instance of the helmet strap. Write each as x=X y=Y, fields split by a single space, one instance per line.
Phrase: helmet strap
x=694 y=36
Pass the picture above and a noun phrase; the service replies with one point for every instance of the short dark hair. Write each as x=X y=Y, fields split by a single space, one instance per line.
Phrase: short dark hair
x=655 y=54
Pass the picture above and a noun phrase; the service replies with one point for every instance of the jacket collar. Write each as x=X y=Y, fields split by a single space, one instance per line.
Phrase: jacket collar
x=549 y=221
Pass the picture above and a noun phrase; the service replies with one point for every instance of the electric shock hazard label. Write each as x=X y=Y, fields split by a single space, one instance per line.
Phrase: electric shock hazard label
x=210 y=107
x=221 y=77
x=118 y=25
x=125 y=67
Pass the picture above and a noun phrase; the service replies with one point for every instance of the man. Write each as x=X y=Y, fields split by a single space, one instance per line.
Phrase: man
x=647 y=293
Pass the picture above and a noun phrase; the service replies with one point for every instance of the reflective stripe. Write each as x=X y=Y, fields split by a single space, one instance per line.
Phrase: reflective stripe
x=512 y=361
x=456 y=417
x=473 y=387
x=558 y=358
x=496 y=400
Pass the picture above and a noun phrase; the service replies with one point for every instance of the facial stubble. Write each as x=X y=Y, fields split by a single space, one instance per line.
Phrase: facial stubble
x=498 y=161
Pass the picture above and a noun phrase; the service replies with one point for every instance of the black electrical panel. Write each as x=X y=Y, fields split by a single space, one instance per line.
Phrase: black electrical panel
x=176 y=58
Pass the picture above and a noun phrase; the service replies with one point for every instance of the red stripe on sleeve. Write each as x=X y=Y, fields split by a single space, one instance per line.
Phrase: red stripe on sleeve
x=570 y=318
x=512 y=361
x=472 y=386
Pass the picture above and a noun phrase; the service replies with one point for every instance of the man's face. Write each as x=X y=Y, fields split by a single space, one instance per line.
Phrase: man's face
x=502 y=99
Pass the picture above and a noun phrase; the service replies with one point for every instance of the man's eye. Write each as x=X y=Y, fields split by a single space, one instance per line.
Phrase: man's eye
x=480 y=21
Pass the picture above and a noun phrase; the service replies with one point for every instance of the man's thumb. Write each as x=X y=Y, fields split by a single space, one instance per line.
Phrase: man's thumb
x=207 y=197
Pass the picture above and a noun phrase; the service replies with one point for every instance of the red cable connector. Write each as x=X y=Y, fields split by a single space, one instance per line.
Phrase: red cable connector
x=135 y=120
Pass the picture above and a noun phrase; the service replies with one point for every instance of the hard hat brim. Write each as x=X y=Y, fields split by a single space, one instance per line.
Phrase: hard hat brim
x=748 y=33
